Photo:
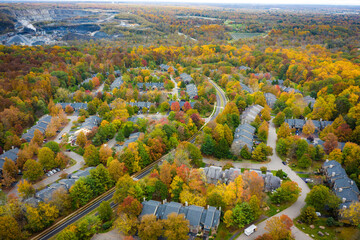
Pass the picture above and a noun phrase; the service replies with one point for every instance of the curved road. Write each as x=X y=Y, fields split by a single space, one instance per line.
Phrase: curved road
x=73 y=217
x=275 y=164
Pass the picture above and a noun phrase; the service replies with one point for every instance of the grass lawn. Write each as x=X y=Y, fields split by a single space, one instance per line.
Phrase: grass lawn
x=224 y=233
x=273 y=208
x=335 y=233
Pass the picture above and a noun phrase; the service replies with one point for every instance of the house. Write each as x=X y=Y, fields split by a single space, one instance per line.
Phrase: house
x=244 y=68
x=68 y=183
x=117 y=73
x=82 y=173
x=116 y=83
x=310 y=101
x=89 y=124
x=270 y=99
x=200 y=219
x=45 y=195
x=244 y=135
x=10 y=154
x=341 y=184
x=165 y=68
x=141 y=105
x=41 y=125
x=151 y=85
x=32 y=201
x=246 y=88
x=182 y=103
x=191 y=90
x=299 y=123
x=186 y=78
x=75 y=106
x=250 y=113
x=290 y=90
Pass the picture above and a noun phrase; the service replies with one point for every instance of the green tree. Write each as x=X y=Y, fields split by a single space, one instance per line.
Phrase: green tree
x=123 y=185
x=120 y=136
x=222 y=149
x=304 y=161
x=80 y=193
x=105 y=211
x=54 y=146
x=302 y=147
x=288 y=192
x=208 y=145
x=47 y=158
x=255 y=206
x=91 y=155
x=243 y=214
x=81 y=139
x=67 y=234
x=321 y=196
x=101 y=178
x=279 y=119
x=32 y=170
x=245 y=153
x=40 y=217
x=261 y=152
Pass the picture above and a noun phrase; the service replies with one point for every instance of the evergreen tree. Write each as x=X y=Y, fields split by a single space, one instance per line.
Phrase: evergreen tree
x=208 y=145
x=222 y=149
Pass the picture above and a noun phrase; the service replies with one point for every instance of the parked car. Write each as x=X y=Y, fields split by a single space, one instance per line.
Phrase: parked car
x=68 y=150
x=58 y=169
x=284 y=163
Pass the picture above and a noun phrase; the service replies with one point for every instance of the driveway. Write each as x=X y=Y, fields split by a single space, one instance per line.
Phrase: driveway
x=175 y=89
x=275 y=164
x=66 y=129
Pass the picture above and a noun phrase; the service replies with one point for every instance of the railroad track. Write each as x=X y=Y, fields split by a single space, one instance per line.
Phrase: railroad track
x=93 y=204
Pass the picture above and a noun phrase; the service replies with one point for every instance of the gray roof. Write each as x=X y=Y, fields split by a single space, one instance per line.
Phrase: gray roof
x=10 y=154
x=82 y=173
x=191 y=90
x=247 y=127
x=250 y=113
x=18 y=40
x=116 y=83
x=41 y=125
x=243 y=133
x=34 y=202
x=246 y=88
x=197 y=216
x=345 y=188
x=45 y=194
x=182 y=103
x=90 y=122
x=75 y=106
x=309 y=100
x=151 y=85
x=186 y=78
x=270 y=99
x=165 y=67
x=244 y=68
x=289 y=90
x=141 y=104
x=68 y=183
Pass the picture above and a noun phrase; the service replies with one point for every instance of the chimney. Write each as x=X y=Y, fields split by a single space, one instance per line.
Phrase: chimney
x=327 y=160
x=343 y=200
x=144 y=199
x=220 y=209
x=352 y=182
x=207 y=207
x=186 y=204
x=340 y=189
x=331 y=166
x=333 y=174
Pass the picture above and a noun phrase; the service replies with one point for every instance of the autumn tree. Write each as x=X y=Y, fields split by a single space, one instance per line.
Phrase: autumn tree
x=61 y=199
x=261 y=152
x=127 y=225
x=228 y=218
x=104 y=153
x=284 y=131
x=309 y=127
x=352 y=213
x=91 y=155
x=9 y=228
x=26 y=189
x=279 y=228
x=243 y=214
x=80 y=193
x=32 y=170
x=175 y=106
x=176 y=227
x=116 y=169
x=81 y=139
x=38 y=138
x=308 y=215
x=40 y=217
x=331 y=142
x=10 y=172
x=150 y=228
x=130 y=206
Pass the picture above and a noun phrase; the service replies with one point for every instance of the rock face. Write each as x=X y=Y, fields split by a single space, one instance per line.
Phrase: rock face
x=44 y=14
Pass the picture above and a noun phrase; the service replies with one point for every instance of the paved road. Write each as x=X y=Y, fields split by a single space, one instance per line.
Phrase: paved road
x=62 y=224
x=175 y=91
x=49 y=180
x=276 y=163
x=67 y=128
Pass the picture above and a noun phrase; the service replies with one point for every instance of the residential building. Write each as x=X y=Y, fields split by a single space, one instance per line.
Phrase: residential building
x=182 y=103
x=10 y=154
x=75 y=106
x=270 y=99
x=244 y=135
x=41 y=125
x=165 y=68
x=201 y=220
x=116 y=83
x=186 y=78
x=309 y=100
x=250 y=113
x=246 y=88
x=344 y=187
x=191 y=90
x=151 y=85
x=299 y=124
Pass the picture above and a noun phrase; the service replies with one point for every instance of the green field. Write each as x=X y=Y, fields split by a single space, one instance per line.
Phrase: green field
x=237 y=36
